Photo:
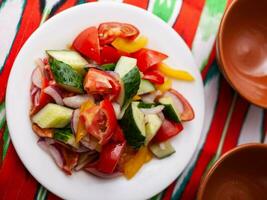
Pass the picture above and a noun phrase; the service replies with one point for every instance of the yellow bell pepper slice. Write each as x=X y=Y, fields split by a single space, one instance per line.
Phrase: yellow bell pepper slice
x=136 y=98
x=81 y=131
x=174 y=73
x=130 y=46
x=136 y=162
x=165 y=86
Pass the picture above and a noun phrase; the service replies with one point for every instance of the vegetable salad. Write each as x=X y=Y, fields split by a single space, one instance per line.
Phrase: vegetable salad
x=106 y=104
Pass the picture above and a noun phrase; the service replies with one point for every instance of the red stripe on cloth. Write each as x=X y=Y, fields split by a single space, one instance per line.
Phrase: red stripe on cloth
x=91 y=0
x=213 y=139
x=67 y=4
x=212 y=56
x=51 y=196
x=2 y=130
x=265 y=124
x=30 y=21
x=142 y=4
x=187 y=21
x=237 y=120
x=28 y=190
x=169 y=191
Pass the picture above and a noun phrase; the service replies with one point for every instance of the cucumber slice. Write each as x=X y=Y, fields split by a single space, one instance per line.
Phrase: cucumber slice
x=125 y=65
x=66 y=77
x=133 y=125
x=66 y=136
x=162 y=150
x=170 y=110
x=145 y=87
x=108 y=67
x=146 y=105
x=72 y=58
x=152 y=126
x=53 y=116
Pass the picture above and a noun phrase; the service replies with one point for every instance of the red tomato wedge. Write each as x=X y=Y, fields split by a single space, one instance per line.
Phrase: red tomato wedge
x=147 y=58
x=168 y=130
x=188 y=112
x=109 y=157
x=118 y=135
x=110 y=30
x=154 y=76
x=87 y=43
x=100 y=121
x=109 y=55
x=100 y=82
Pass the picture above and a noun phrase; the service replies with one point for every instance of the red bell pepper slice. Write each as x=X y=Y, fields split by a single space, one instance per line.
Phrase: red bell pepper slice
x=154 y=76
x=87 y=43
x=109 y=157
x=100 y=121
x=147 y=58
x=167 y=130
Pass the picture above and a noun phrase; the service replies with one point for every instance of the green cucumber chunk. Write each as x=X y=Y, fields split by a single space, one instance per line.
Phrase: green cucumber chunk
x=146 y=105
x=108 y=67
x=145 y=87
x=133 y=125
x=53 y=116
x=170 y=110
x=72 y=58
x=125 y=65
x=66 y=77
x=162 y=150
x=152 y=126
x=66 y=136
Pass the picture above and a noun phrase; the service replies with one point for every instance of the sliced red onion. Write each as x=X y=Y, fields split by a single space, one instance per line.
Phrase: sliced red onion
x=37 y=77
x=84 y=159
x=53 y=151
x=178 y=104
x=50 y=90
x=90 y=144
x=150 y=98
x=77 y=100
x=39 y=62
x=103 y=175
x=34 y=90
x=75 y=120
x=161 y=116
x=36 y=98
x=154 y=110
x=117 y=109
x=114 y=74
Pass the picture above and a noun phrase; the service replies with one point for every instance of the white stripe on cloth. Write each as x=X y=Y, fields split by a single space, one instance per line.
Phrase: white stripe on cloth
x=10 y=15
x=251 y=129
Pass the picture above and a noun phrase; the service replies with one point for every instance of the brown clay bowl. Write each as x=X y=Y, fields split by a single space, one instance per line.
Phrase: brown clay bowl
x=240 y=174
x=242 y=49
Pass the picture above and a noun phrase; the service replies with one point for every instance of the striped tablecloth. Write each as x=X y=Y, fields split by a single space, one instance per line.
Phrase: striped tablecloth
x=229 y=121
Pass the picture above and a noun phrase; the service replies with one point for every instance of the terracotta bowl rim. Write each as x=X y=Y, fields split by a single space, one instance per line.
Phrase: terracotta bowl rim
x=226 y=155
x=220 y=57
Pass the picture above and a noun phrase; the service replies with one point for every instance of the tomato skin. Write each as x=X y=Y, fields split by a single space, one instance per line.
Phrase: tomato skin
x=118 y=135
x=109 y=157
x=154 y=76
x=87 y=43
x=188 y=113
x=167 y=130
x=100 y=82
x=147 y=58
x=109 y=31
x=109 y=55
x=100 y=121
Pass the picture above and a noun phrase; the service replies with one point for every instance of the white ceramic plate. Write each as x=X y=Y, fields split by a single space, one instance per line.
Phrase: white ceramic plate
x=56 y=33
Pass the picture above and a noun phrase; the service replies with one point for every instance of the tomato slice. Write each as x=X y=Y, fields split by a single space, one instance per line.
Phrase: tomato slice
x=147 y=58
x=87 y=43
x=167 y=130
x=100 y=121
x=154 y=76
x=109 y=31
x=118 y=135
x=188 y=112
x=100 y=82
x=109 y=157
x=109 y=54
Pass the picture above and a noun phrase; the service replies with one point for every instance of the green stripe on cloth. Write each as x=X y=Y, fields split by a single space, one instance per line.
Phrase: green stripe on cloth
x=41 y=193
x=6 y=139
x=164 y=9
x=2 y=114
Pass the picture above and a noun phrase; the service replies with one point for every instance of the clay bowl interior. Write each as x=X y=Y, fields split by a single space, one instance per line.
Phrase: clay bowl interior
x=242 y=49
x=240 y=174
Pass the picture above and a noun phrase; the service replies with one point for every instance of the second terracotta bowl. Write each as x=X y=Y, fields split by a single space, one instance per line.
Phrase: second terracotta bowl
x=242 y=49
